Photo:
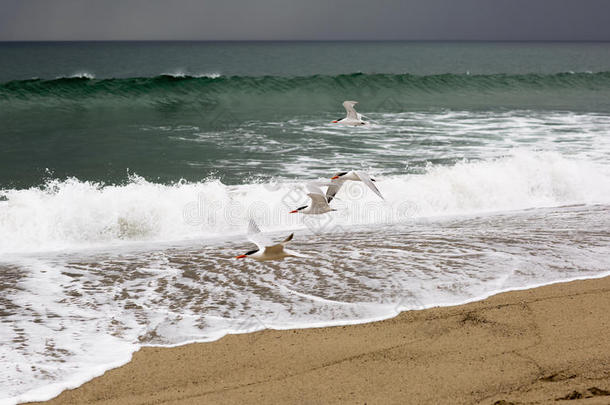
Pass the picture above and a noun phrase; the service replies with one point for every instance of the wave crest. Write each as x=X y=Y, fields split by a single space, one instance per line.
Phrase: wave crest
x=383 y=92
x=73 y=213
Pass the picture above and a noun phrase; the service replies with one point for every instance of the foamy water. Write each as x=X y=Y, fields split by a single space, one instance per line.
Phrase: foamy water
x=92 y=272
x=72 y=315
x=75 y=214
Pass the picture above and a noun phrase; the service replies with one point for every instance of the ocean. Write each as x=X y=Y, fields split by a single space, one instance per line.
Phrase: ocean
x=129 y=171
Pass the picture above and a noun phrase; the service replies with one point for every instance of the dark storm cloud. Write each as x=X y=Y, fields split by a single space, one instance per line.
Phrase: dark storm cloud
x=304 y=19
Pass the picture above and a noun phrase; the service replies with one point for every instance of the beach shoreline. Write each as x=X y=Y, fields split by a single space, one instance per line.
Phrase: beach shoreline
x=530 y=346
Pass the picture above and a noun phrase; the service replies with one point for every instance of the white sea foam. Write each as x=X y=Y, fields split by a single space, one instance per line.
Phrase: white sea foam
x=182 y=74
x=176 y=73
x=83 y=75
x=71 y=214
x=212 y=75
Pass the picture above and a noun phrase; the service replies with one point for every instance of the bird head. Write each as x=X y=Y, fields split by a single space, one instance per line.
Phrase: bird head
x=338 y=175
x=246 y=254
x=298 y=209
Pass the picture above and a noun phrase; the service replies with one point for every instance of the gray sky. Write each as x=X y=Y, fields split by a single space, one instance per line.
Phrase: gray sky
x=304 y=19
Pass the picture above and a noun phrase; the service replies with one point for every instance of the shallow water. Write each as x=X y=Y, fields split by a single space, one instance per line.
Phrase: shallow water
x=73 y=311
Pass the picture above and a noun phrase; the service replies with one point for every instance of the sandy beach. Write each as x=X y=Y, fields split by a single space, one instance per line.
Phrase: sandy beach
x=534 y=346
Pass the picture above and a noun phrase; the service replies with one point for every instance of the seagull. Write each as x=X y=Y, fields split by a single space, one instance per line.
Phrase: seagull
x=319 y=203
x=352 y=118
x=267 y=250
x=339 y=179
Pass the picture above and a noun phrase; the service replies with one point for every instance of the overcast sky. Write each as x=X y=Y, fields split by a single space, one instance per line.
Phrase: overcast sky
x=304 y=19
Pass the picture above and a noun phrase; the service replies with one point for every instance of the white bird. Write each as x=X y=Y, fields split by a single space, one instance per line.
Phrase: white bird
x=319 y=204
x=352 y=118
x=339 y=179
x=266 y=249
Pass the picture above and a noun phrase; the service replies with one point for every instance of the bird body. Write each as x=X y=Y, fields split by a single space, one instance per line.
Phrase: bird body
x=352 y=118
x=339 y=179
x=319 y=203
x=266 y=249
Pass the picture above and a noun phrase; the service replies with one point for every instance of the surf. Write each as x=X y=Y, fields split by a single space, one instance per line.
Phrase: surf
x=70 y=213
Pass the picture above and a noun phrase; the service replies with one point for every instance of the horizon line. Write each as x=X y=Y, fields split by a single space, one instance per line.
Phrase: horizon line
x=303 y=40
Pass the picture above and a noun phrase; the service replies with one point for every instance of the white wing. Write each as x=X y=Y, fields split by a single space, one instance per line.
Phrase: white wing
x=318 y=198
x=367 y=180
x=333 y=189
x=256 y=236
x=313 y=188
x=349 y=108
x=296 y=254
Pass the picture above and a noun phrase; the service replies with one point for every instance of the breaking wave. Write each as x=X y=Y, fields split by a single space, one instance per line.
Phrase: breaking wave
x=72 y=213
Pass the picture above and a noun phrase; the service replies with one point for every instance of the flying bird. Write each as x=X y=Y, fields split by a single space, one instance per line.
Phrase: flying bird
x=339 y=179
x=319 y=203
x=266 y=249
x=352 y=118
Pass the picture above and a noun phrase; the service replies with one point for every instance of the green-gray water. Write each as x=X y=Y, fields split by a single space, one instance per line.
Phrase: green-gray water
x=98 y=110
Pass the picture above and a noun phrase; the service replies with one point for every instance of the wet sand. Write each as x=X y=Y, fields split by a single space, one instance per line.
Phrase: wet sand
x=544 y=345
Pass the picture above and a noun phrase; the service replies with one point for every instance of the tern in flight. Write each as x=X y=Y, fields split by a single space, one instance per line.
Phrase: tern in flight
x=352 y=118
x=319 y=203
x=266 y=249
x=339 y=179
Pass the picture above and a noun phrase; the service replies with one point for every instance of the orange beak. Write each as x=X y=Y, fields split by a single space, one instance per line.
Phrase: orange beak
x=334 y=122
x=293 y=212
x=240 y=256
x=333 y=178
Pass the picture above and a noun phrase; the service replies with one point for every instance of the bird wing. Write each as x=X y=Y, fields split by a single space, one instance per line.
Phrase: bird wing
x=349 y=108
x=288 y=239
x=333 y=189
x=256 y=236
x=296 y=254
x=365 y=178
x=313 y=188
x=317 y=200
